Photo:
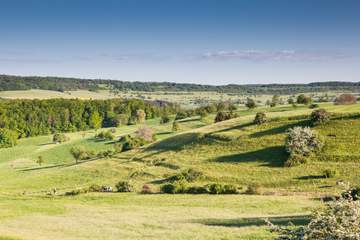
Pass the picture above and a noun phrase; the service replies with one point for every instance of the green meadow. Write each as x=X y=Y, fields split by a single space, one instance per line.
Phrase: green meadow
x=230 y=152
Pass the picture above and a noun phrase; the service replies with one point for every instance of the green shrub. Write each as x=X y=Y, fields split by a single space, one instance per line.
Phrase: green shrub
x=105 y=135
x=181 y=187
x=229 y=189
x=73 y=192
x=181 y=115
x=124 y=186
x=168 y=188
x=313 y=105
x=221 y=116
x=217 y=188
x=60 y=138
x=197 y=190
x=164 y=119
x=254 y=189
x=330 y=173
x=76 y=192
x=106 y=153
x=250 y=103
x=8 y=138
x=260 y=118
x=302 y=99
x=95 y=188
x=79 y=153
x=189 y=175
x=130 y=142
x=176 y=187
x=319 y=116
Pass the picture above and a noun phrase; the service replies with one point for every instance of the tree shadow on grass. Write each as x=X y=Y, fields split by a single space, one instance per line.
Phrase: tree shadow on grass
x=189 y=119
x=61 y=165
x=42 y=167
x=280 y=129
x=249 y=222
x=175 y=143
x=45 y=144
x=164 y=133
x=271 y=156
x=311 y=177
x=237 y=127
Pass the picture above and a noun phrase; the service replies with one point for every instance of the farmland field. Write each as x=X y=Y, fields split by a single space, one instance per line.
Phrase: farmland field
x=185 y=99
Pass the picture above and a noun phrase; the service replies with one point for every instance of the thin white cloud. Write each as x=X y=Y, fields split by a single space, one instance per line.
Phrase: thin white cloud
x=276 y=55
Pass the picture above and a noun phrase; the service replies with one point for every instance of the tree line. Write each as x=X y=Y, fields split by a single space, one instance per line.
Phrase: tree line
x=8 y=82
x=40 y=117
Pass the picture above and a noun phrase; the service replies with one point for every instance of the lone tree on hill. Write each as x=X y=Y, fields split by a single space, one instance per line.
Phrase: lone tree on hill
x=95 y=120
x=250 y=103
x=8 y=138
x=303 y=99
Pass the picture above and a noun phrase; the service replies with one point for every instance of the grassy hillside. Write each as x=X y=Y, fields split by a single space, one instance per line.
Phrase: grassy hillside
x=232 y=152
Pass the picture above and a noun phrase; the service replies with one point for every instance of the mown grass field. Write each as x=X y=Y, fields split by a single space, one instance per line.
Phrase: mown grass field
x=232 y=152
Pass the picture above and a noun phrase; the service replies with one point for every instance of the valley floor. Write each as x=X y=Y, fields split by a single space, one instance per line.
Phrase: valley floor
x=135 y=216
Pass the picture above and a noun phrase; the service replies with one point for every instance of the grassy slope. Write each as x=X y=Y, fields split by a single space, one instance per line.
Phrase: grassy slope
x=250 y=154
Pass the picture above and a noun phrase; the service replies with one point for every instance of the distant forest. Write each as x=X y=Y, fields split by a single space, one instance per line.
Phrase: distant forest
x=8 y=82
x=40 y=117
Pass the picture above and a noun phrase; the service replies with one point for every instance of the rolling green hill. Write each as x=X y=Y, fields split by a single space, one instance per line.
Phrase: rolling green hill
x=230 y=152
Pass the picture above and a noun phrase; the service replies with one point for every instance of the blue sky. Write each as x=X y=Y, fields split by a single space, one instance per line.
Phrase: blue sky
x=198 y=41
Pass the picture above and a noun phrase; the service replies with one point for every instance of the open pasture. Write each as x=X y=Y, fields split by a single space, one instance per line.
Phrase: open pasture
x=230 y=152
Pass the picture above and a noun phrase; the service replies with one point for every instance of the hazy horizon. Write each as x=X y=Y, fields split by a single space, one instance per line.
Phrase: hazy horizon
x=205 y=42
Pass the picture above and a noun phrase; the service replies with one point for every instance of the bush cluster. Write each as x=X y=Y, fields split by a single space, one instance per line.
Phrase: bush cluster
x=313 y=105
x=80 y=153
x=106 y=153
x=303 y=99
x=214 y=188
x=222 y=116
x=319 y=116
x=250 y=103
x=260 y=118
x=164 y=119
x=60 y=138
x=124 y=186
x=188 y=175
x=105 y=135
x=92 y=188
x=129 y=142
